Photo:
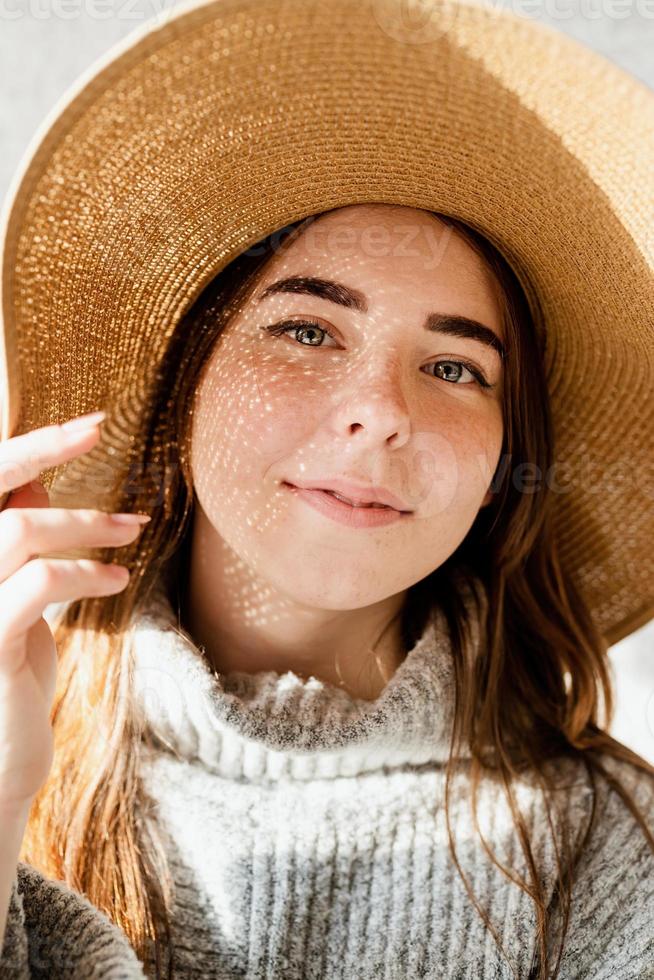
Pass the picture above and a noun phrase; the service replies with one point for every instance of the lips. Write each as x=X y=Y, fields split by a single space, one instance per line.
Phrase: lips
x=353 y=503
x=354 y=494
x=331 y=506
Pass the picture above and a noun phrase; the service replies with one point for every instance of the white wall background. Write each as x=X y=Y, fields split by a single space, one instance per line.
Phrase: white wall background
x=46 y=44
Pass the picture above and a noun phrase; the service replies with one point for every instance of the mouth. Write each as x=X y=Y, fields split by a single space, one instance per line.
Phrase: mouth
x=353 y=503
x=343 y=509
x=359 y=497
x=358 y=505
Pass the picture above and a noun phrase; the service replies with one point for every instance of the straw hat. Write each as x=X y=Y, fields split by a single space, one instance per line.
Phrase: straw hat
x=233 y=118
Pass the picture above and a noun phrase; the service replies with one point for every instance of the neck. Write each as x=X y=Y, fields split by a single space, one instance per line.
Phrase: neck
x=245 y=624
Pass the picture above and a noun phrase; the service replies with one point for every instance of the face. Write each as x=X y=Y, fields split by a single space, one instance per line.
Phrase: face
x=350 y=379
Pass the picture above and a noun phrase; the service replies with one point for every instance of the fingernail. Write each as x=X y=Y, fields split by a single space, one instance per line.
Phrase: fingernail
x=130 y=518
x=84 y=421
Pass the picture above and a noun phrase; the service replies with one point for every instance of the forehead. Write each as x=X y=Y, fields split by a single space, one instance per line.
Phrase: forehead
x=391 y=255
x=381 y=236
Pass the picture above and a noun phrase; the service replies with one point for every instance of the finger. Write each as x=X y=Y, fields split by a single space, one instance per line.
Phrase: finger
x=26 y=533
x=25 y=595
x=22 y=458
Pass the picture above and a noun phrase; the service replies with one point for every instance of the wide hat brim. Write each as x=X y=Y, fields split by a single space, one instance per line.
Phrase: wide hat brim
x=233 y=118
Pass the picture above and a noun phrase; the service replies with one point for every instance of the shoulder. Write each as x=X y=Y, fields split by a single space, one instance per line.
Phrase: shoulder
x=618 y=862
x=610 y=932
x=614 y=820
x=54 y=931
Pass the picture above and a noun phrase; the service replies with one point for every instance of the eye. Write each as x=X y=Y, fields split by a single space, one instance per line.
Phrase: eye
x=313 y=331
x=477 y=376
x=310 y=329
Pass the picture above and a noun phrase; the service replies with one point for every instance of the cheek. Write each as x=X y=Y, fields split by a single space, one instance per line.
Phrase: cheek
x=248 y=415
x=468 y=452
x=482 y=453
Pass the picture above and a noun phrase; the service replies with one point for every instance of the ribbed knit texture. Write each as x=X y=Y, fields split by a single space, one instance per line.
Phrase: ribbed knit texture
x=306 y=834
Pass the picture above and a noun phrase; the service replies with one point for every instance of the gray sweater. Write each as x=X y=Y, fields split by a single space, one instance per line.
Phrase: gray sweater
x=305 y=831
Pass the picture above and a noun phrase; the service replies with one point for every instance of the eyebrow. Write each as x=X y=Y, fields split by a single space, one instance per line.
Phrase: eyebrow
x=451 y=324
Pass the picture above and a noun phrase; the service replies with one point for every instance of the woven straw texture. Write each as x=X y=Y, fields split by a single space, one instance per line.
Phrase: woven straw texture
x=235 y=117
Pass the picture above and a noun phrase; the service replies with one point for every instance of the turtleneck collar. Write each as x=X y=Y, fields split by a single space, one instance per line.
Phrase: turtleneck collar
x=268 y=726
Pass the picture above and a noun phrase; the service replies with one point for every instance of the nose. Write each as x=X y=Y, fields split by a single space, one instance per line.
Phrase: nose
x=375 y=408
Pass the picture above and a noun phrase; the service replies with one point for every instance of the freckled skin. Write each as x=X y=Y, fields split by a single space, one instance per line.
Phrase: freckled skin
x=274 y=585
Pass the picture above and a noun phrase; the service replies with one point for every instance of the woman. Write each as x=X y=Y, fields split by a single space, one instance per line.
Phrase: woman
x=316 y=738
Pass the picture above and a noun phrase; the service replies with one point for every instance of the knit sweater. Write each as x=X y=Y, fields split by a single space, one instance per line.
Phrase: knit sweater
x=305 y=831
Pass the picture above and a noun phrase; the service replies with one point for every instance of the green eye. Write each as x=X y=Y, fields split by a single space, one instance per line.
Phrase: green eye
x=285 y=326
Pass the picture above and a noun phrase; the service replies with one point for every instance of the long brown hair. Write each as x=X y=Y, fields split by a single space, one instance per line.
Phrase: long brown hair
x=532 y=698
